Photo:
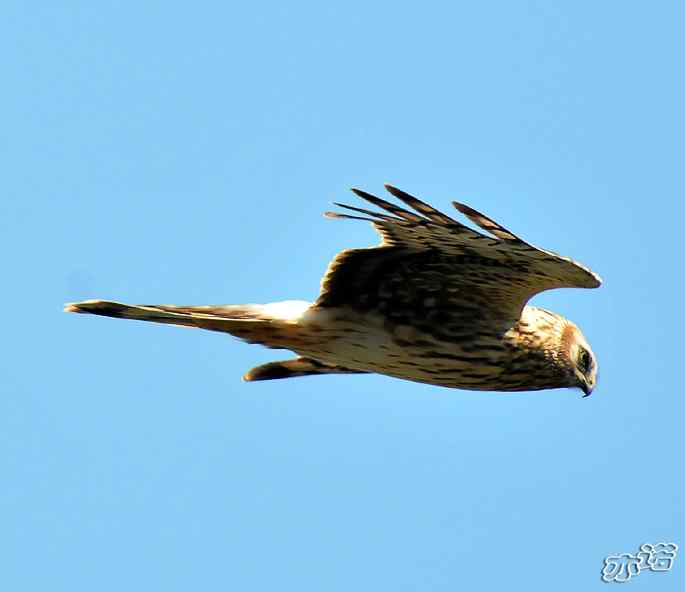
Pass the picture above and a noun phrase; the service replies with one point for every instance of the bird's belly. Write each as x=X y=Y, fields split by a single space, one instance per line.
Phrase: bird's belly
x=369 y=343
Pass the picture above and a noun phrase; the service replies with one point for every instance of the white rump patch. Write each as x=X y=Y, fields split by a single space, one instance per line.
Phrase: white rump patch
x=290 y=310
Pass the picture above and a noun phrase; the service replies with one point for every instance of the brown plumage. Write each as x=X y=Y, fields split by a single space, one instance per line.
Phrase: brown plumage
x=436 y=302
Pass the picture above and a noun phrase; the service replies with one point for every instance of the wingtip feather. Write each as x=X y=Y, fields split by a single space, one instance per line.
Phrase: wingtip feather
x=598 y=281
x=464 y=209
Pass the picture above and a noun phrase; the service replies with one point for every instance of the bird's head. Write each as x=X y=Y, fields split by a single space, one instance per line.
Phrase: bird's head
x=579 y=359
x=557 y=353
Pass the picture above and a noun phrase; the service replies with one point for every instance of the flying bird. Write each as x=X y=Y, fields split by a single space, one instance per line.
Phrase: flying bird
x=436 y=302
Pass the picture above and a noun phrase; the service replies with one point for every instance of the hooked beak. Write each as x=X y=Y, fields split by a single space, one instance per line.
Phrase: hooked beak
x=586 y=388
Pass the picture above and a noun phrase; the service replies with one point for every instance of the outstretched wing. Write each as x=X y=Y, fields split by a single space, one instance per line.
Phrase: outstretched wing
x=430 y=266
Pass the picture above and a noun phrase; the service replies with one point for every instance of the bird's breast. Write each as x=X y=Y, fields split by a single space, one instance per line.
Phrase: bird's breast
x=461 y=357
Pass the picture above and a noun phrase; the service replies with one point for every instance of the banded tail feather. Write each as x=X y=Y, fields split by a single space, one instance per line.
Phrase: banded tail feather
x=255 y=323
x=265 y=324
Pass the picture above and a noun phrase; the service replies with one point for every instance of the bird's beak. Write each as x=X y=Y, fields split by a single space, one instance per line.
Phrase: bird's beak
x=587 y=389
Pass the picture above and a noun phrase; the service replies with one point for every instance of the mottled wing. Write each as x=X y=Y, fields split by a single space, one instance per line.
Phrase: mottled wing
x=432 y=267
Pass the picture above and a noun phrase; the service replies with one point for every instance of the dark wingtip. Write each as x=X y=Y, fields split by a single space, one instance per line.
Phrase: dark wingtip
x=267 y=372
x=598 y=281
x=272 y=371
x=464 y=209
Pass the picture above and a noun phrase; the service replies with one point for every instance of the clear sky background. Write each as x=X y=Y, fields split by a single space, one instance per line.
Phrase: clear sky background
x=184 y=153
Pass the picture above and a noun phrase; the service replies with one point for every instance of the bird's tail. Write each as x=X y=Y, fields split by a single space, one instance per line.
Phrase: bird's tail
x=265 y=324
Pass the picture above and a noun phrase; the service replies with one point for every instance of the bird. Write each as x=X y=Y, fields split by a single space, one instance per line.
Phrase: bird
x=436 y=302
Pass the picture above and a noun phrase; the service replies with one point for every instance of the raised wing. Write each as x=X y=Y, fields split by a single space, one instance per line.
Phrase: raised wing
x=433 y=267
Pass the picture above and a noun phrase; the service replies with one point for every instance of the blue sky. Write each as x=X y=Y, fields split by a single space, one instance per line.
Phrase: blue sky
x=157 y=152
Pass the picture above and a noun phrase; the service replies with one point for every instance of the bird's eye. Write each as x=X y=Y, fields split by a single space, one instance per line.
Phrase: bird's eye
x=584 y=360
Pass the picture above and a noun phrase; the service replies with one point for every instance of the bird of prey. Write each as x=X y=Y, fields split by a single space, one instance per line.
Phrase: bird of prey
x=436 y=302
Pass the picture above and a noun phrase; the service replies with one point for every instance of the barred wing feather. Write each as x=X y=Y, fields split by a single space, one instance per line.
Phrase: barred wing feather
x=428 y=259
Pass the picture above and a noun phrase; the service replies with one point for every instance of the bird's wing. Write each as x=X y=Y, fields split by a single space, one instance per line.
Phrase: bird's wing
x=430 y=264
